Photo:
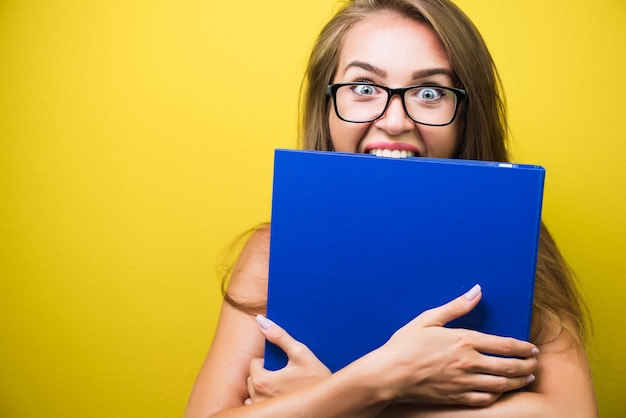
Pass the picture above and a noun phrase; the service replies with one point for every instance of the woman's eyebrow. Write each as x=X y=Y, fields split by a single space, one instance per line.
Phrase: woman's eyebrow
x=432 y=71
x=368 y=67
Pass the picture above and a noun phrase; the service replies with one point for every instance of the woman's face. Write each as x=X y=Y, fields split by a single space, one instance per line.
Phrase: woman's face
x=394 y=51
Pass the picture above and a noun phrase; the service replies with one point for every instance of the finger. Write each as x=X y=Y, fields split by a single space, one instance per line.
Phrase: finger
x=452 y=310
x=259 y=385
x=477 y=398
x=278 y=336
x=256 y=366
x=256 y=371
x=508 y=367
x=251 y=390
x=502 y=346
x=500 y=384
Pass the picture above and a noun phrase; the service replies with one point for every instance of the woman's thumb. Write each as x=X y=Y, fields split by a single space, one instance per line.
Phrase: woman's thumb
x=452 y=310
x=277 y=335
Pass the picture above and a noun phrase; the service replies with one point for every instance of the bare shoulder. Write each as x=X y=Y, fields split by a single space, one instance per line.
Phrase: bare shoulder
x=248 y=281
x=259 y=240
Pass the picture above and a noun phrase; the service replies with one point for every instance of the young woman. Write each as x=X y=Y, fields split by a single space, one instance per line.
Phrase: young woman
x=453 y=109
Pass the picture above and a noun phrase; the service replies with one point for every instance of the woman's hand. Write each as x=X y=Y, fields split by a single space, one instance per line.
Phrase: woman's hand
x=427 y=363
x=302 y=368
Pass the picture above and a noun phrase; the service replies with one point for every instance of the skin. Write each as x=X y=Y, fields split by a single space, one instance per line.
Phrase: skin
x=425 y=369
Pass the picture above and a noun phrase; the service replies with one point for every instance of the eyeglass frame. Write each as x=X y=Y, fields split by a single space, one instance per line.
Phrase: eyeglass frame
x=460 y=95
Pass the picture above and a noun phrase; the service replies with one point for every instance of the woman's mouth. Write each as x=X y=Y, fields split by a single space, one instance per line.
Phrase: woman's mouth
x=391 y=149
x=383 y=152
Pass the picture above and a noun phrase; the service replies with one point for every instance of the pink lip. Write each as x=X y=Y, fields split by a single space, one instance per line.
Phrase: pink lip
x=401 y=146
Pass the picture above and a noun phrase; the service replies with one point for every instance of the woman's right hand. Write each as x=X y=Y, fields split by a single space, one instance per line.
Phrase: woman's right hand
x=302 y=369
x=427 y=363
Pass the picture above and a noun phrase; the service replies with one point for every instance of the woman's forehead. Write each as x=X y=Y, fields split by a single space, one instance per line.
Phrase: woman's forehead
x=392 y=45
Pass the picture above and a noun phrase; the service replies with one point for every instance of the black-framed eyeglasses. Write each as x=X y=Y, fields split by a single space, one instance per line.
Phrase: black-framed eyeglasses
x=425 y=104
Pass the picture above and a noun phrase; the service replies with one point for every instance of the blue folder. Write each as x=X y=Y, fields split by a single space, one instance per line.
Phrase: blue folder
x=360 y=245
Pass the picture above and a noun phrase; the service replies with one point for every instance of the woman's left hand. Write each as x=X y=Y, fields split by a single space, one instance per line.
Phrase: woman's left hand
x=303 y=367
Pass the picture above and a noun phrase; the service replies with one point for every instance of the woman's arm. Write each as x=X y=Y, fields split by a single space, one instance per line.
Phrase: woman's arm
x=563 y=387
x=221 y=381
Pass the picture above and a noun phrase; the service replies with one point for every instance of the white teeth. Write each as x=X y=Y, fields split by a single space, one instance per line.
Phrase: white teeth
x=391 y=153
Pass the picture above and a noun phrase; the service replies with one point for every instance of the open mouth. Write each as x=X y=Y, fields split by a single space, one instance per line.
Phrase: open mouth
x=396 y=153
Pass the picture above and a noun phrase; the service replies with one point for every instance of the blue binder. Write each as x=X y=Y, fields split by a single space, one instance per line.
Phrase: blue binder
x=360 y=245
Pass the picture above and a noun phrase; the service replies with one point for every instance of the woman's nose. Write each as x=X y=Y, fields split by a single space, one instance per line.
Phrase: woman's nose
x=395 y=120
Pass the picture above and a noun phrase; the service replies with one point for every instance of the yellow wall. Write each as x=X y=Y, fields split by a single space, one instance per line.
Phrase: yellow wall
x=136 y=140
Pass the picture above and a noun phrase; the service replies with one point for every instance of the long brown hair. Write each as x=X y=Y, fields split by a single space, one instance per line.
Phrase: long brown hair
x=484 y=137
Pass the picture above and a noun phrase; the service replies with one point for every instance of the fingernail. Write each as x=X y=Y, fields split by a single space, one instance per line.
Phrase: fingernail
x=263 y=322
x=473 y=292
x=534 y=351
x=530 y=378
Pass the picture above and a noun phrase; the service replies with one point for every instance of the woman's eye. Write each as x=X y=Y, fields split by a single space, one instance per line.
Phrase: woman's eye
x=429 y=94
x=364 y=90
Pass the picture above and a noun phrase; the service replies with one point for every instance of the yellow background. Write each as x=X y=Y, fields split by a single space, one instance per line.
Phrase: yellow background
x=136 y=140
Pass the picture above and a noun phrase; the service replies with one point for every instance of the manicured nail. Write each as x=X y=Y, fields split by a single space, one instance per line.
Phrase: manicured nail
x=473 y=292
x=530 y=378
x=534 y=351
x=264 y=322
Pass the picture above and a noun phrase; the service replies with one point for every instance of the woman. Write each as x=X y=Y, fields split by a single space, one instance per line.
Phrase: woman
x=424 y=369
